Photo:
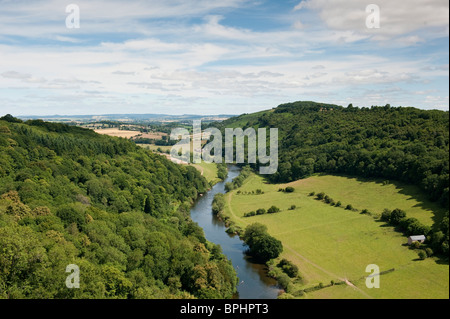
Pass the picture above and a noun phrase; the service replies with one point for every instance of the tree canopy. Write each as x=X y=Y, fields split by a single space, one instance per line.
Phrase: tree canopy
x=119 y=212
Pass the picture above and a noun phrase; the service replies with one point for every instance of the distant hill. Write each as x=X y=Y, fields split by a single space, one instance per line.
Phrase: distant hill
x=398 y=143
x=125 y=117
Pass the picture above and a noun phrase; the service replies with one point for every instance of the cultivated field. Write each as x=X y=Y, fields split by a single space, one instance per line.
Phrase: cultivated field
x=130 y=134
x=330 y=243
x=117 y=133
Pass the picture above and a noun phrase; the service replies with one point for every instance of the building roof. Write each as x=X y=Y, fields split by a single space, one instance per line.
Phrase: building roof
x=419 y=237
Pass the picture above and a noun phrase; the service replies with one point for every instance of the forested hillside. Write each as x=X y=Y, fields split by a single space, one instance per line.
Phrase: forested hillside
x=405 y=144
x=396 y=144
x=119 y=212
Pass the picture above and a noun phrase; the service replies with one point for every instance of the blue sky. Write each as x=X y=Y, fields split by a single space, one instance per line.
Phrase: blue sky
x=220 y=57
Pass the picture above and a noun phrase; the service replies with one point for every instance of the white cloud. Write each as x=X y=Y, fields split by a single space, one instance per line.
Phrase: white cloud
x=398 y=18
x=210 y=63
x=46 y=18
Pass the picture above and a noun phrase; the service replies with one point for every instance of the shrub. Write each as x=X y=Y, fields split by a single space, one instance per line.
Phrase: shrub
x=289 y=189
x=250 y=214
x=386 y=215
x=229 y=187
x=349 y=207
x=422 y=255
x=429 y=252
x=320 y=196
x=218 y=203
x=260 y=211
x=396 y=216
x=273 y=210
x=338 y=204
x=288 y=268
x=284 y=280
x=292 y=207
x=312 y=194
x=415 y=245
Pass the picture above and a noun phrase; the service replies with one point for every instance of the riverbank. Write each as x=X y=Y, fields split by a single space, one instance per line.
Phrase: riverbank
x=254 y=282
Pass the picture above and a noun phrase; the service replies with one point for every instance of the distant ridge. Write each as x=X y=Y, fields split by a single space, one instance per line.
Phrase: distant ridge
x=124 y=117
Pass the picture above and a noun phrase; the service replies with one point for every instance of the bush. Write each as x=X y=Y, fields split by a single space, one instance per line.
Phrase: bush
x=312 y=194
x=284 y=280
x=288 y=268
x=338 y=204
x=320 y=196
x=289 y=189
x=429 y=252
x=229 y=187
x=250 y=214
x=260 y=211
x=349 y=207
x=273 y=210
x=422 y=255
x=218 y=203
x=292 y=207
x=396 y=216
x=386 y=215
x=415 y=245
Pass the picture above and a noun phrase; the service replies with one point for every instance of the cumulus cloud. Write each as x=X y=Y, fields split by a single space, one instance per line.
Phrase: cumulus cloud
x=398 y=18
x=192 y=51
x=27 y=78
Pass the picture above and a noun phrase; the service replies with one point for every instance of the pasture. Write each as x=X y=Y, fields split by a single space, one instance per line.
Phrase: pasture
x=331 y=243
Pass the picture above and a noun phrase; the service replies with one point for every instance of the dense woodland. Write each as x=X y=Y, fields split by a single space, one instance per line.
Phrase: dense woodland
x=119 y=212
x=393 y=143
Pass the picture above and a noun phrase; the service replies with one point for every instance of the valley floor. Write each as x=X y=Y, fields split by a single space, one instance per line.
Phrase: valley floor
x=330 y=243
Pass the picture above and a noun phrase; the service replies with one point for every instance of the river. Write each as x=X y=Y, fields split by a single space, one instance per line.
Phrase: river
x=253 y=280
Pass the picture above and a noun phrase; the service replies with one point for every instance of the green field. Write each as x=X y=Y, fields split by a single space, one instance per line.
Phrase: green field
x=209 y=171
x=154 y=147
x=330 y=243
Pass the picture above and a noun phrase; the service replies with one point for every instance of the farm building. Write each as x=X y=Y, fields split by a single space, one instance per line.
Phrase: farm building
x=412 y=239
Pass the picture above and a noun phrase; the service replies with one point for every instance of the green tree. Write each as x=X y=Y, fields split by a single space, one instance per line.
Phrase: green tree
x=422 y=254
x=396 y=216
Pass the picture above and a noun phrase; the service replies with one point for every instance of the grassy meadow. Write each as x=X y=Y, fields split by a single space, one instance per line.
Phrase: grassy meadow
x=331 y=243
x=209 y=171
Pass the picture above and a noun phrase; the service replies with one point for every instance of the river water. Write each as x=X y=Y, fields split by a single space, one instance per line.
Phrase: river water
x=253 y=280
